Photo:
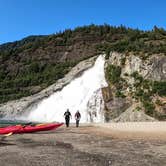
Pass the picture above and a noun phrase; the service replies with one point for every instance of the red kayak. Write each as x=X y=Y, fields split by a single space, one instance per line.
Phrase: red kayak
x=10 y=129
x=28 y=128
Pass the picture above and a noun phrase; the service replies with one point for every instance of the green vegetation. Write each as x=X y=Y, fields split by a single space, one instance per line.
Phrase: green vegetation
x=143 y=43
x=149 y=108
x=137 y=109
x=142 y=90
x=119 y=93
x=113 y=74
x=108 y=38
x=159 y=88
x=33 y=63
x=123 y=61
x=34 y=75
x=145 y=90
x=159 y=103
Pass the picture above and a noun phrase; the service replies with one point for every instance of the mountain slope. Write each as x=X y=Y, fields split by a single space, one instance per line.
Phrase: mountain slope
x=32 y=64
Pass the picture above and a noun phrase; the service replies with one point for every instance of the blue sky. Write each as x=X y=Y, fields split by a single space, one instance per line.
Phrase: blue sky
x=21 y=18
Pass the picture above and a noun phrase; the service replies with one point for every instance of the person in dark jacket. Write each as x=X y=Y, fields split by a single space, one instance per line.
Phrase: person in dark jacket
x=67 y=116
x=77 y=118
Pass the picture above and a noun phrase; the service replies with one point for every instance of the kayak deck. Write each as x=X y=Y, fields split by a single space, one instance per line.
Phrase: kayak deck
x=29 y=128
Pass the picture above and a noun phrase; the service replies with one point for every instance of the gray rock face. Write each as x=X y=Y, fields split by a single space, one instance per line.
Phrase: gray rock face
x=157 y=71
x=153 y=68
x=15 y=107
x=133 y=115
x=116 y=107
x=121 y=109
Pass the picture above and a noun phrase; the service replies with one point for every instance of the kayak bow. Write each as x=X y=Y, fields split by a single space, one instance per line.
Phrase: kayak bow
x=17 y=129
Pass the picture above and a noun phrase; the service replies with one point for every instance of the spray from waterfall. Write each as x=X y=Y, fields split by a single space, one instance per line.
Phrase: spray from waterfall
x=83 y=94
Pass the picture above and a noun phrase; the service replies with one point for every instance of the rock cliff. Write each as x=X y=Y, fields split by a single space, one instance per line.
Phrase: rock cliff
x=136 y=89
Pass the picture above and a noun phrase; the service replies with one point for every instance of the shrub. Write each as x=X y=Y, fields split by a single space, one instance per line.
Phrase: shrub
x=159 y=88
x=123 y=61
x=149 y=107
x=107 y=52
x=119 y=93
x=113 y=73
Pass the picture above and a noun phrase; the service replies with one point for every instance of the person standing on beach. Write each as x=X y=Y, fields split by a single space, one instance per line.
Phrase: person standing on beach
x=77 y=118
x=67 y=116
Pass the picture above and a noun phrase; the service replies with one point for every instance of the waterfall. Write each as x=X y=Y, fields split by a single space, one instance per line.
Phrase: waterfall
x=83 y=94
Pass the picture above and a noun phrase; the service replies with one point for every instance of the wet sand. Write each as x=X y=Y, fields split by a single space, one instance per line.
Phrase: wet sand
x=100 y=145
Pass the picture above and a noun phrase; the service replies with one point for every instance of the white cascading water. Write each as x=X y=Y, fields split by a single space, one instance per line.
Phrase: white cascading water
x=83 y=94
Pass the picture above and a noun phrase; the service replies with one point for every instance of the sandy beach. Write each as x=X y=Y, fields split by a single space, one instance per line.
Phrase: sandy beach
x=134 y=130
x=114 y=144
